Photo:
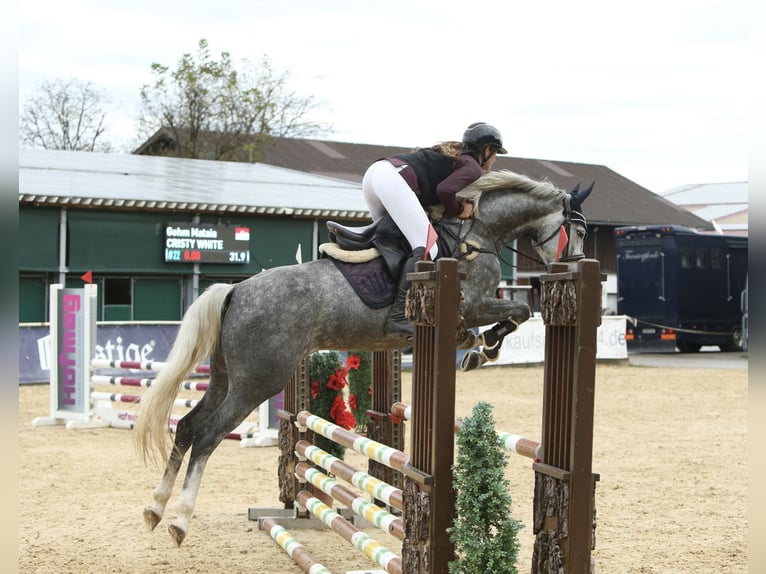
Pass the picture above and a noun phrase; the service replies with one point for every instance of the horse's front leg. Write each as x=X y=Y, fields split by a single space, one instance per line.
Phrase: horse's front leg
x=509 y=314
x=489 y=310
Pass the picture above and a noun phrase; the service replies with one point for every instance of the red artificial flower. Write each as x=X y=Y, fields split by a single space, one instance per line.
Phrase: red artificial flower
x=337 y=380
x=352 y=404
x=348 y=420
x=341 y=415
x=353 y=361
x=314 y=389
x=369 y=390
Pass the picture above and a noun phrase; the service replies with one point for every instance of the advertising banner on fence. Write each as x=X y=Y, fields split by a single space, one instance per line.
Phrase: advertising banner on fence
x=152 y=342
x=114 y=342
x=527 y=343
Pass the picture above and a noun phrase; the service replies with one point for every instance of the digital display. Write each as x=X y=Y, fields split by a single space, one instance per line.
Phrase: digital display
x=206 y=243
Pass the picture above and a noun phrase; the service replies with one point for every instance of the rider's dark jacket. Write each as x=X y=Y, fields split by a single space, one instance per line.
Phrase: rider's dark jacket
x=436 y=177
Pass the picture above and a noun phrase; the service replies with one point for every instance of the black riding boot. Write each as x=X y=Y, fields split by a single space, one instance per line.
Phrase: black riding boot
x=397 y=323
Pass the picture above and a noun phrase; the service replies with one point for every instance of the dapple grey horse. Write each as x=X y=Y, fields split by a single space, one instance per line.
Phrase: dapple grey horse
x=256 y=332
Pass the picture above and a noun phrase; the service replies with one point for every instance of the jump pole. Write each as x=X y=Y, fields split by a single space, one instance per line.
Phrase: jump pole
x=378 y=489
x=515 y=443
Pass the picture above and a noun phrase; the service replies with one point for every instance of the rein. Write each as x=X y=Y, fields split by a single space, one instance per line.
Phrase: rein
x=470 y=249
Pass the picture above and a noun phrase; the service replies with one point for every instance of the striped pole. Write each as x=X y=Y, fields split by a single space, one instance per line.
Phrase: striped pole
x=379 y=452
x=120 y=398
x=509 y=441
x=375 y=487
x=138 y=365
x=375 y=551
x=520 y=445
x=294 y=549
x=381 y=518
x=143 y=382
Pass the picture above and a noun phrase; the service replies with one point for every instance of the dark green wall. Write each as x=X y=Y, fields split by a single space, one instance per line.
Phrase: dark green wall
x=127 y=248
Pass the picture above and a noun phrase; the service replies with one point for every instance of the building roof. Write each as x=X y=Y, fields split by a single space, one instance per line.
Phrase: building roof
x=615 y=201
x=120 y=181
x=725 y=205
x=304 y=178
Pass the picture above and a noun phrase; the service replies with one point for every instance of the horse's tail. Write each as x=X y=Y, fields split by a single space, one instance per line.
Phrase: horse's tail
x=198 y=335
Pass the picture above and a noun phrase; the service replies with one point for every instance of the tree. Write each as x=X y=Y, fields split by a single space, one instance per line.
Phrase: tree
x=214 y=111
x=484 y=532
x=65 y=114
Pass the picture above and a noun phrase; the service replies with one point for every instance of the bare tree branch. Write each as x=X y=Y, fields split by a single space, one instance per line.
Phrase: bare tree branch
x=65 y=114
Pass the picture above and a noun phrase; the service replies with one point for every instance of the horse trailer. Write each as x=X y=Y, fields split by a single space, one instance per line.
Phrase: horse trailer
x=679 y=288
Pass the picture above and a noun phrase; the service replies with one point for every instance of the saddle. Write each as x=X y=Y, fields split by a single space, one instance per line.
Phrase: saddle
x=371 y=256
x=382 y=235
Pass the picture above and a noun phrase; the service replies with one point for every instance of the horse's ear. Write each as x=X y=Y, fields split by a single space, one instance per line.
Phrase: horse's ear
x=577 y=196
x=575 y=189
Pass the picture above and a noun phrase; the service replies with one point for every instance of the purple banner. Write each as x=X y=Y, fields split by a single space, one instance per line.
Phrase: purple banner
x=133 y=342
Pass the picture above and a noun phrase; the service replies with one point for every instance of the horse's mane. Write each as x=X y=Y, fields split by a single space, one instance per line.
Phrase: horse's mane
x=506 y=179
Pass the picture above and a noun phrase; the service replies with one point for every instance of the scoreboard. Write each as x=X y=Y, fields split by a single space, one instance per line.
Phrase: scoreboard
x=206 y=243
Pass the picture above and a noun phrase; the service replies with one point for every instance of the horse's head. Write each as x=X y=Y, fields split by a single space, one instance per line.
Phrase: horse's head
x=561 y=234
x=510 y=205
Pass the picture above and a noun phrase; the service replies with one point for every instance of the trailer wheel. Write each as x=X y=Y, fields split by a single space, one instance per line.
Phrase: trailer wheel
x=735 y=344
x=686 y=347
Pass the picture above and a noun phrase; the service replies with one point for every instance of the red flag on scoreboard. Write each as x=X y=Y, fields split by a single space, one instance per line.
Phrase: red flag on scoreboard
x=563 y=240
x=87 y=277
x=430 y=240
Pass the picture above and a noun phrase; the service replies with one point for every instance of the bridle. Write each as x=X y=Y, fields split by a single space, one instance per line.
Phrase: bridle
x=570 y=216
x=462 y=249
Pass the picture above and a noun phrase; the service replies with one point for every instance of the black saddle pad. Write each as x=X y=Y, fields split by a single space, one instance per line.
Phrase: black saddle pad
x=370 y=281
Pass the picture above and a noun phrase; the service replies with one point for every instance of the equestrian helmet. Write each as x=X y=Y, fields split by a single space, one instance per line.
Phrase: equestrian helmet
x=481 y=133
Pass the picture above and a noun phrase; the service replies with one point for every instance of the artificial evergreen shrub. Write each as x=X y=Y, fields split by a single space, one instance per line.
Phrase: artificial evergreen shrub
x=484 y=533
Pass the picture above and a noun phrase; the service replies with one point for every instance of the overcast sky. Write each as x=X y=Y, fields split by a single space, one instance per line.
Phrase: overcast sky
x=656 y=90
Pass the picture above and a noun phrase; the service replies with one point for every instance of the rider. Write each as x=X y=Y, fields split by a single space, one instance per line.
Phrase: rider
x=404 y=184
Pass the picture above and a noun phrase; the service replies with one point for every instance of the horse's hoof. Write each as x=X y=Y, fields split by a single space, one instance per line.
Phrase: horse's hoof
x=151 y=518
x=472 y=360
x=177 y=534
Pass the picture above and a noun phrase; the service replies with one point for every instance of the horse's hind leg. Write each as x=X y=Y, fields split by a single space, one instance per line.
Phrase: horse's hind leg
x=154 y=511
x=183 y=440
x=209 y=435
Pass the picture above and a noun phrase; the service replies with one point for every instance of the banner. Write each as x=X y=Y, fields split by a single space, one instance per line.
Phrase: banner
x=526 y=345
x=115 y=342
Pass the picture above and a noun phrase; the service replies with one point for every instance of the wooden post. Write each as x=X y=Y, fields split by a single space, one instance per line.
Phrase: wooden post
x=564 y=506
x=433 y=305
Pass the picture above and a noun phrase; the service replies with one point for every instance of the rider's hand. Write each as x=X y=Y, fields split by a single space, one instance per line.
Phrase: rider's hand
x=467 y=210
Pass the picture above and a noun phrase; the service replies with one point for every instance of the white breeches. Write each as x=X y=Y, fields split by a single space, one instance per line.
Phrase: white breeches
x=385 y=191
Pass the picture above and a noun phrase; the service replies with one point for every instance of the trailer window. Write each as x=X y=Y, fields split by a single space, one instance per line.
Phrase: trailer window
x=716 y=258
x=702 y=258
x=686 y=257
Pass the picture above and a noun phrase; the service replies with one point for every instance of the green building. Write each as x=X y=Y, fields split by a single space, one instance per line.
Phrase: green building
x=153 y=232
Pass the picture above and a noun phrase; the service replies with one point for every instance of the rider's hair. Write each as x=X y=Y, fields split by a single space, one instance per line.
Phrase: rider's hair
x=451 y=148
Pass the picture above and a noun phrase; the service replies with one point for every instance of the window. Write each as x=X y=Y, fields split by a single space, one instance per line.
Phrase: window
x=686 y=257
x=716 y=258
x=702 y=258
x=117 y=291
